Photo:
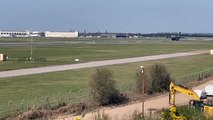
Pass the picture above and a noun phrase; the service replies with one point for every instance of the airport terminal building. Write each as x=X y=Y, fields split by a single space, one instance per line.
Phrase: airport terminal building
x=38 y=34
x=15 y=33
x=61 y=34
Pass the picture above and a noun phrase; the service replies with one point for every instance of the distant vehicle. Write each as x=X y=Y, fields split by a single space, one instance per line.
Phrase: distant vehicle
x=175 y=37
x=122 y=36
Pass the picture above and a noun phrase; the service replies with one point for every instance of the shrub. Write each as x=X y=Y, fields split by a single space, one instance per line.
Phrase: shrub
x=139 y=116
x=102 y=87
x=159 y=78
x=191 y=113
x=188 y=113
x=102 y=116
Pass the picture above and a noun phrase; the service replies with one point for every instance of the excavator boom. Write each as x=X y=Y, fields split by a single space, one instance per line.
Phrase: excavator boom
x=178 y=88
x=202 y=102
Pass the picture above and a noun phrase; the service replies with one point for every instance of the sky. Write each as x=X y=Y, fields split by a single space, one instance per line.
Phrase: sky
x=144 y=16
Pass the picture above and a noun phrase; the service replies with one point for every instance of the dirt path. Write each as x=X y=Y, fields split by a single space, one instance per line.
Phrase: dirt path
x=156 y=103
x=57 y=68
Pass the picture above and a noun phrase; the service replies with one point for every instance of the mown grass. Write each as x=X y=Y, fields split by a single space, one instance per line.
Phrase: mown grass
x=104 y=49
x=26 y=88
x=60 y=84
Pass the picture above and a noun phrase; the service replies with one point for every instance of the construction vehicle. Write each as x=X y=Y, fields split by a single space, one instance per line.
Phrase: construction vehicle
x=202 y=99
x=208 y=102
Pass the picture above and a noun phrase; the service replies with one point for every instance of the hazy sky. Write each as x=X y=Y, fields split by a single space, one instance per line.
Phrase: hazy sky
x=114 y=15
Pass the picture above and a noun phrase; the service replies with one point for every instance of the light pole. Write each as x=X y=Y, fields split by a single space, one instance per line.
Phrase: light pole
x=142 y=71
x=31 y=48
x=31 y=45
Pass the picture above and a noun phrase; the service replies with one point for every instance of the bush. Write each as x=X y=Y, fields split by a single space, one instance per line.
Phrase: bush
x=102 y=116
x=188 y=113
x=159 y=78
x=102 y=87
x=139 y=116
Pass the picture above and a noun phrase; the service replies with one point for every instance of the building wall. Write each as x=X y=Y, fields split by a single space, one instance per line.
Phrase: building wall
x=108 y=35
x=14 y=33
x=37 y=34
x=2 y=57
x=61 y=34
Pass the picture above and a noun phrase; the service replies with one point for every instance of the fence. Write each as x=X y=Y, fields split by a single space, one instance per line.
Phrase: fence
x=35 y=59
x=80 y=95
x=27 y=59
x=195 y=76
x=46 y=102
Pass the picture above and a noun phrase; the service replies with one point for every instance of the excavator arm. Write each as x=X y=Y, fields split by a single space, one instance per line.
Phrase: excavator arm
x=178 y=88
x=198 y=102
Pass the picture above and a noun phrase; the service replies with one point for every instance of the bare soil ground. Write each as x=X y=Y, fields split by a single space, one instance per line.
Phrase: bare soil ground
x=157 y=103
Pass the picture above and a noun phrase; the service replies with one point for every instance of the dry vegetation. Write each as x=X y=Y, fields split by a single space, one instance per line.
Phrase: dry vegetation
x=41 y=113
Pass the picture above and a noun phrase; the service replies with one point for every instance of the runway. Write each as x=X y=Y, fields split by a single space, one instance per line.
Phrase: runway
x=57 y=68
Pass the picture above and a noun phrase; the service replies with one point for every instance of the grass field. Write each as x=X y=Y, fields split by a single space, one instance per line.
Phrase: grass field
x=92 y=50
x=58 y=84
x=24 y=89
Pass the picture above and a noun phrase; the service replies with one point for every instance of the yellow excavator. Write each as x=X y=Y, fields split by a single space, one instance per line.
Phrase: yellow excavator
x=202 y=99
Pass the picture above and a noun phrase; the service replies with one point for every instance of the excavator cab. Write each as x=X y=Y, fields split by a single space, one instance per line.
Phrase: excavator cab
x=208 y=102
x=208 y=110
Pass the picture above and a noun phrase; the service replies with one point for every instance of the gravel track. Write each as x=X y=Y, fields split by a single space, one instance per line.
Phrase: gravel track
x=159 y=102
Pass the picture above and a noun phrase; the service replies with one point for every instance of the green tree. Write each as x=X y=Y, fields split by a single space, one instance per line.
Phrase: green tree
x=103 y=87
x=160 y=79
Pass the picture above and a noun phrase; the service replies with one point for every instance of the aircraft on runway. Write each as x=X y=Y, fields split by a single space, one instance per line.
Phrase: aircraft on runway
x=176 y=37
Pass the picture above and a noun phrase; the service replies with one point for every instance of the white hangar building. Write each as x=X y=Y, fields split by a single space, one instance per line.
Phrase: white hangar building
x=61 y=34
x=14 y=33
